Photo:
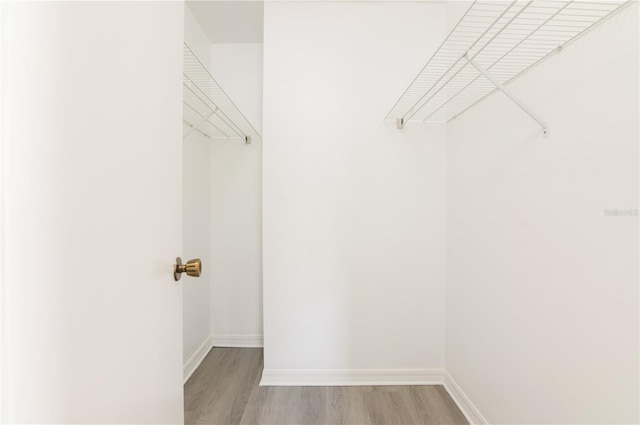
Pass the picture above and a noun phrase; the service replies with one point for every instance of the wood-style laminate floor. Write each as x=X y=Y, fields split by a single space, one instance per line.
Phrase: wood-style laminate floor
x=225 y=390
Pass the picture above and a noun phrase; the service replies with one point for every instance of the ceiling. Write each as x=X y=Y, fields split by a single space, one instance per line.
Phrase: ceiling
x=241 y=21
x=229 y=21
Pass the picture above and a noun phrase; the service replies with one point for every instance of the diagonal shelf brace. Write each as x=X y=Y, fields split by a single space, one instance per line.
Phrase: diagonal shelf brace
x=514 y=99
x=196 y=127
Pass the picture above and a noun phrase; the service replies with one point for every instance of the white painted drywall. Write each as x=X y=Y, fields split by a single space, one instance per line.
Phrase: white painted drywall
x=3 y=98
x=91 y=198
x=542 y=298
x=236 y=204
x=195 y=244
x=196 y=202
x=354 y=210
x=195 y=36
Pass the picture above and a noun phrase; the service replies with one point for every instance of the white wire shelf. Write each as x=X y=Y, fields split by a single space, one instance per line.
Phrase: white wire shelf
x=207 y=109
x=494 y=43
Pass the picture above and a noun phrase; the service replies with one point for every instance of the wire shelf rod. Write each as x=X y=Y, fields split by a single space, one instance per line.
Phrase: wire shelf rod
x=207 y=120
x=211 y=79
x=494 y=64
x=204 y=98
x=425 y=66
x=503 y=39
x=224 y=118
x=407 y=116
x=542 y=59
x=196 y=129
x=473 y=57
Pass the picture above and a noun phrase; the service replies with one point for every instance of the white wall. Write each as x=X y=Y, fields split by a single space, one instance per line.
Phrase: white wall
x=3 y=99
x=542 y=300
x=194 y=35
x=236 y=204
x=354 y=210
x=196 y=201
x=195 y=225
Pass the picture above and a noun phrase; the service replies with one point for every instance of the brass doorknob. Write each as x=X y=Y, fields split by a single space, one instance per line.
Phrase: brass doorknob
x=192 y=268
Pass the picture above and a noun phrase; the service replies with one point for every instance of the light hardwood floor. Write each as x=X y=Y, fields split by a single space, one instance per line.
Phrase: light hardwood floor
x=224 y=390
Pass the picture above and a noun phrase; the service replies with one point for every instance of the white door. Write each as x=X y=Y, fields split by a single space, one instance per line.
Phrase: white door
x=91 y=198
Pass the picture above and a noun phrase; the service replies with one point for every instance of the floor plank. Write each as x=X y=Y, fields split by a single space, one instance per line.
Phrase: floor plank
x=225 y=390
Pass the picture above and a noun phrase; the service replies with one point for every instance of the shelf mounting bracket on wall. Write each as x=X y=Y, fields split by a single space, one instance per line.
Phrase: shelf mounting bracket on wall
x=510 y=95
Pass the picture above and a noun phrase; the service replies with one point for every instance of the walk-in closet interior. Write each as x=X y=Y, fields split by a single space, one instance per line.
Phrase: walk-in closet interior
x=419 y=193
x=384 y=212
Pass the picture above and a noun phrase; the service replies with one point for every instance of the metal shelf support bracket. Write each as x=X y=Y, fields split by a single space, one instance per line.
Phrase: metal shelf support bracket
x=510 y=95
x=196 y=127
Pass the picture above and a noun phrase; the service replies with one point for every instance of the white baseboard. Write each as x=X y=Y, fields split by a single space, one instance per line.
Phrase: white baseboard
x=339 y=377
x=356 y=377
x=351 y=377
x=465 y=405
x=246 y=341
x=194 y=361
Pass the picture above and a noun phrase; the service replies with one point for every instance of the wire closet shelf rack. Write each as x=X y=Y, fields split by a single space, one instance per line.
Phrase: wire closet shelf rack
x=492 y=44
x=207 y=109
